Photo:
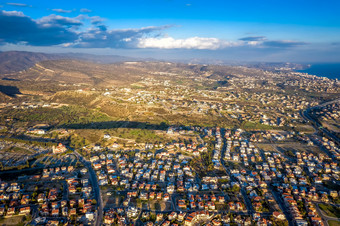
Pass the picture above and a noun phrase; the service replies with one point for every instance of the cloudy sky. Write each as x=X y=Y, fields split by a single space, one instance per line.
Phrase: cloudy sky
x=247 y=30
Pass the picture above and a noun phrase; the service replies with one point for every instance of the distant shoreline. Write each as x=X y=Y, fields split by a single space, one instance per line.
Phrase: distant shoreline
x=329 y=70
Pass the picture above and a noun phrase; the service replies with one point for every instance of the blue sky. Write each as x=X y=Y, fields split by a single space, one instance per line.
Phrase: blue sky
x=263 y=30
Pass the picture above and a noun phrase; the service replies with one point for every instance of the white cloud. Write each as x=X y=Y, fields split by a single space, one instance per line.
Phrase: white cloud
x=56 y=20
x=12 y=13
x=62 y=10
x=84 y=10
x=18 y=4
x=254 y=43
x=188 y=43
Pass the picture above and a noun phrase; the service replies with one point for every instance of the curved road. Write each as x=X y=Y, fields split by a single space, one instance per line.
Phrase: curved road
x=317 y=125
x=325 y=217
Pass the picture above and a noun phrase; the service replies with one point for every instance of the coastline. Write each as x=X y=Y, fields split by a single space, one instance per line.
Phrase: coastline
x=328 y=70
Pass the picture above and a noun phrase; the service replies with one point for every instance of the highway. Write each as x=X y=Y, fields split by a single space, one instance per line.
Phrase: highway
x=94 y=182
x=318 y=127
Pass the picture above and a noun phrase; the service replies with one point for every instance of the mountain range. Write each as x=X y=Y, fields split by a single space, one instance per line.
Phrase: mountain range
x=15 y=61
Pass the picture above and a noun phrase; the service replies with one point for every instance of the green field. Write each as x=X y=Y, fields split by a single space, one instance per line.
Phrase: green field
x=66 y=115
x=330 y=210
x=333 y=223
x=14 y=220
x=255 y=126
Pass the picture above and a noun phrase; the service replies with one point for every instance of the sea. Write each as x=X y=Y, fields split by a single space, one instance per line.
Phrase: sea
x=329 y=70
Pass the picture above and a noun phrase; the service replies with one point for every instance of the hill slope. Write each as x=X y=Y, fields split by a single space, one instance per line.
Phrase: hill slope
x=14 y=61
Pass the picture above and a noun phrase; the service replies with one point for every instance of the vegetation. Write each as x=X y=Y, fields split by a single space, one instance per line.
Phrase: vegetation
x=252 y=126
x=66 y=115
x=30 y=142
x=14 y=220
x=333 y=223
x=140 y=135
x=331 y=185
x=330 y=210
x=203 y=164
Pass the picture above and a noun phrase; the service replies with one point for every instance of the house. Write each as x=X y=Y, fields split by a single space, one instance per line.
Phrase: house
x=24 y=200
x=72 y=202
x=216 y=222
x=143 y=196
x=45 y=212
x=13 y=203
x=25 y=210
x=59 y=149
x=41 y=197
x=55 y=205
x=4 y=196
x=181 y=216
x=279 y=216
x=239 y=206
x=72 y=189
x=181 y=204
x=231 y=206
x=64 y=211
x=72 y=212
x=107 y=136
x=159 y=195
x=52 y=223
x=211 y=205
x=55 y=213
x=159 y=217
x=333 y=194
x=221 y=199
x=301 y=222
x=166 y=197
x=11 y=211
x=172 y=216
x=192 y=205
x=63 y=203
x=89 y=216
x=152 y=195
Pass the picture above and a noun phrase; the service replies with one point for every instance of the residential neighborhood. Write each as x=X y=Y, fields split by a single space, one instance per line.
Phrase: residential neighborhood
x=173 y=144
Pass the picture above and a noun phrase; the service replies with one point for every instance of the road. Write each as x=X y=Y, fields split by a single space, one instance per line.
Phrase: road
x=283 y=207
x=243 y=191
x=276 y=195
x=317 y=126
x=324 y=217
x=94 y=182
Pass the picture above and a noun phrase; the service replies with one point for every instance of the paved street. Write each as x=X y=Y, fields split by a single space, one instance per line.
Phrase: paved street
x=94 y=182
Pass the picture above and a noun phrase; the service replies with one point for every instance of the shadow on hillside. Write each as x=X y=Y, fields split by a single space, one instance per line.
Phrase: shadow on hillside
x=116 y=124
x=11 y=91
x=10 y=79
x=31 y=139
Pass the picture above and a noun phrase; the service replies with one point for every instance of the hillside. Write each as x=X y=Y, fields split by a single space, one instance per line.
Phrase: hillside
x=14 y=61
x=81 y=72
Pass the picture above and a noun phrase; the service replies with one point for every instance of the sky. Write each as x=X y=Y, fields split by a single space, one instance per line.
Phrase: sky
x=230 y=31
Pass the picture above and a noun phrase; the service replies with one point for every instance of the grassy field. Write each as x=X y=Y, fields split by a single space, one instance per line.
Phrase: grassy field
x=333 y=223
x=266 y=147
x=14 y=220
x=305 y=128
x=297 y=146
x=66 y=115
x=18 y=150
x=329 y=210
x=255 y=126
